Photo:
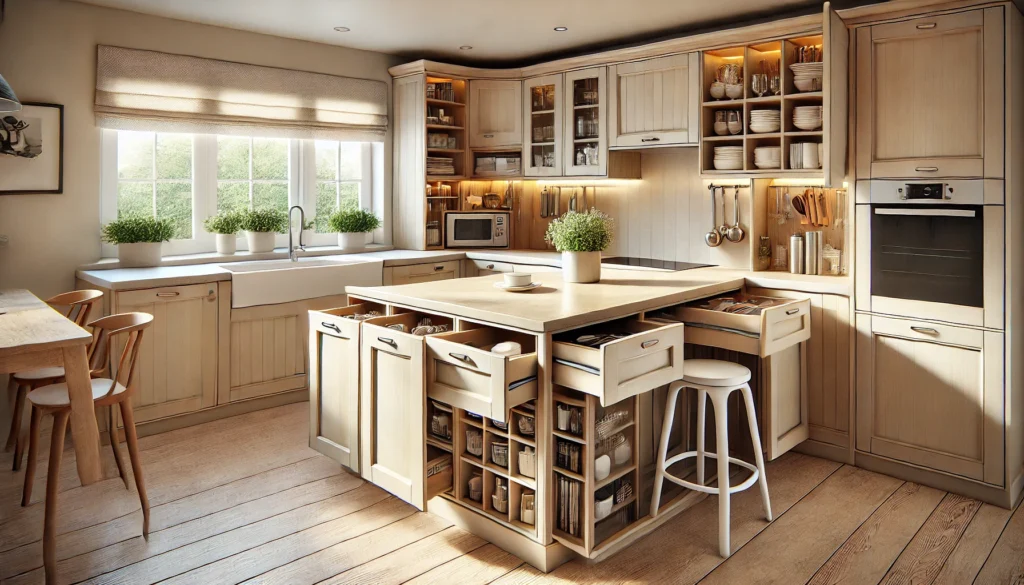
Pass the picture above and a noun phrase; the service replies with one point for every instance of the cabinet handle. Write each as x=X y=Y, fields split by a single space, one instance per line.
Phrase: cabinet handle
x=488 y=135
x=925 y=330
x=388 y=341
x=463 y=358
x=927 y=169
x=793 y=311
x=649 y=343
x=489 y=267
x=211 y=295
x=438 y=268
x=330 y=326
x=168 y=294
x=653 y=139
x=926 y=26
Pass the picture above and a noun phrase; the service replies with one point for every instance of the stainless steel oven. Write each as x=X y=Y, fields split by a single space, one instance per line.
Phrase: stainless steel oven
x=476 y=230
x=934 y=250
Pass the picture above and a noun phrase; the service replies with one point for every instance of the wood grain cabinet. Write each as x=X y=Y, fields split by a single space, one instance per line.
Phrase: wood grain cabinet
x=931 y=395
x=654 y=102
x=415 y=273
x=495 y=113
x=930 y=96
x=177 y=368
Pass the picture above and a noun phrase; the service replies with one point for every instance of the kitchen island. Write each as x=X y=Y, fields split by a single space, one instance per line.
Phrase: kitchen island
x=504 y=444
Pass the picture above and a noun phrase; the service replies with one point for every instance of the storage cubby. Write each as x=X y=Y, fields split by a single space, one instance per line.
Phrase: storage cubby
x=440 y=425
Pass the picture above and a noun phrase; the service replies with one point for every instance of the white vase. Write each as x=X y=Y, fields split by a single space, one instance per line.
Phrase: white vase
x=352 y=240
x=226 y=243
x=139 y=255
x=581 y=267
x=260 y=241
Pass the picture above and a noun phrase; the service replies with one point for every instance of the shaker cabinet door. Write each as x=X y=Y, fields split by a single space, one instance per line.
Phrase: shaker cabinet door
x=654 y=102
x=495 y=113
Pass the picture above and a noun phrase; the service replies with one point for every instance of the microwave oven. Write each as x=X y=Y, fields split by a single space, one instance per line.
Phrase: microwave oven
x=476 y=230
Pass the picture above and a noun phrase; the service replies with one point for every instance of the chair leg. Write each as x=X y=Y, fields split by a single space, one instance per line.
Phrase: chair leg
x=112 y=431
x=702 y=397
x=133 y=451
x=19 y=405
x=755 y=436
x=666 y=430
x=720 y=401
x=12 y=393
x=33 y=448
x=60 y=423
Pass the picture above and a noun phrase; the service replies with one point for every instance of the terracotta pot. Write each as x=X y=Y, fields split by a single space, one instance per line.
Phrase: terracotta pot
x=227 y=243
x=581 y=267
x=260 y=241
x=139 y=255
x=352 y=240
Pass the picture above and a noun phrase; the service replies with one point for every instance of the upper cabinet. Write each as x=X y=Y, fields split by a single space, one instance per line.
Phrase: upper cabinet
x=930 y=97
x=654 y=102
x=495 y=108
x=542 y=121
x=586 y=127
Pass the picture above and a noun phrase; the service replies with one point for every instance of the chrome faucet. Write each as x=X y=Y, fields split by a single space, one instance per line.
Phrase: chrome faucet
x=302 y=221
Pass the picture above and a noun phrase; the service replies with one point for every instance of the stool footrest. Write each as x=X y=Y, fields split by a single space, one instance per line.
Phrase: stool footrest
x=708 y=489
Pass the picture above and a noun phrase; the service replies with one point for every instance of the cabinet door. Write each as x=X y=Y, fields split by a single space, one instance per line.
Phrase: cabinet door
x=586 y=128
x=836 y=38
x=334 y=388
x=177 y=368
x=495 y=113
x=267 y=350
x=654 y=102
x=421 y=273
x=931 y=395
x=930 y=96
x=542 y=125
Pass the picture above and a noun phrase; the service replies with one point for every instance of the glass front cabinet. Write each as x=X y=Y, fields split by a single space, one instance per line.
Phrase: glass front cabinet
x=586 y=128
x=542 y=144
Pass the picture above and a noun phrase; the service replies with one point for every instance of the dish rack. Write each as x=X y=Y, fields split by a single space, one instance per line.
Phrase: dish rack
x=474 y=442
x=499 y=453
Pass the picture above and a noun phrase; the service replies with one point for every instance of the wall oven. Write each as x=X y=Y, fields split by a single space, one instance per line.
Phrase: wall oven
x=931 y=250
x=476 y=230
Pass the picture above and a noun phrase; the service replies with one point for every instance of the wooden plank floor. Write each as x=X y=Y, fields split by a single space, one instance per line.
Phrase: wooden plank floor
x=245 y=500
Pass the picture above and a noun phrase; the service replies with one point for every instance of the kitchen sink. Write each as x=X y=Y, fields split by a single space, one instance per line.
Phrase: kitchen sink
x=269 y=282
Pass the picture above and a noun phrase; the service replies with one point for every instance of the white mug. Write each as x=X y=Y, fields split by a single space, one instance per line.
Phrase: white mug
x=518 y=279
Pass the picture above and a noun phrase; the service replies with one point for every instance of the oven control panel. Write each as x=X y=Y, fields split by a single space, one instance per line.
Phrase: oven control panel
x=926 y=192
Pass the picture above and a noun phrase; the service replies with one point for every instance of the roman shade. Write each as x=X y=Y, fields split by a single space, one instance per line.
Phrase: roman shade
x=148 y=90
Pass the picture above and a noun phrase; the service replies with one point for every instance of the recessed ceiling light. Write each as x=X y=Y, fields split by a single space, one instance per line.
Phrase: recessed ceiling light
x=561 y=28
x=342 y=28
x=465 y=48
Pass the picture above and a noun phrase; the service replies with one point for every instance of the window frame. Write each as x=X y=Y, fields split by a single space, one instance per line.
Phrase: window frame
x=310 y=180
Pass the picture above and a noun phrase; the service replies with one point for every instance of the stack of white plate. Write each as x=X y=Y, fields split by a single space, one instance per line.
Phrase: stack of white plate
x=729 y=158
x=807 y=117
x=807 y=76
x=768 y=157
x=762 y=121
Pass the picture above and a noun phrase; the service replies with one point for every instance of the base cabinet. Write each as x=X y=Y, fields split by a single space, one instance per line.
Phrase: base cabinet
x=931 y=395
x=415 y=273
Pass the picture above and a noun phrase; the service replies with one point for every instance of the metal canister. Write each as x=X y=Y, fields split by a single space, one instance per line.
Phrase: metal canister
x=812 y=252
x=796 y=254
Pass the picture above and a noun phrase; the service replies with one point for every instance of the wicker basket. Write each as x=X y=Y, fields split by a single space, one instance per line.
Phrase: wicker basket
x=526 y=426
x=476 y=488
x=499 y=505
x=474 y=442
x=499 y=453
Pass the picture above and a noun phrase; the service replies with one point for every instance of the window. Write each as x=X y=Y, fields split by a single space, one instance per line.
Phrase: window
x=187 y=178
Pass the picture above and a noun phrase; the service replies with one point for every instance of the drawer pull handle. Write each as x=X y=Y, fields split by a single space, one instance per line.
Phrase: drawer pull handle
x=926 y=26
x=438 y=268
x=463 y=358
x=925 y=330
x=489 y=267
x=793 y=311
x=330 y=326
x=649 y=343
x=388 y=341
x=168 y=294
x=653 y=139
x=927 y=169
x=488 y=135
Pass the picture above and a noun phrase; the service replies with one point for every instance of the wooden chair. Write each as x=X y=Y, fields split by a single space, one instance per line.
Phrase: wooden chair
x=79 y=305
x=53 y=399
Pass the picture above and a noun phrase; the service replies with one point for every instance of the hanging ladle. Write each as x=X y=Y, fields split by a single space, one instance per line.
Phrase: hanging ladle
x=735 y=232
x=713 y=238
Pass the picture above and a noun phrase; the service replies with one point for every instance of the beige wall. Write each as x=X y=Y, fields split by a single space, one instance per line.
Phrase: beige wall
x=48 y=54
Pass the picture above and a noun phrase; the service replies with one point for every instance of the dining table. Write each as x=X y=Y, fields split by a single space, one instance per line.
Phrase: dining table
x=33 y=335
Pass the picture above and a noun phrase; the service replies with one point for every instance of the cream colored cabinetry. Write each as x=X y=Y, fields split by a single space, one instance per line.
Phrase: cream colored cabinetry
x=472 y=268
x=495 y=113
x=415 y=273
x=930 y=96
x=931 y=395
x=542 y=126
x=586 y=125
x=177 y=368
x=654 y=102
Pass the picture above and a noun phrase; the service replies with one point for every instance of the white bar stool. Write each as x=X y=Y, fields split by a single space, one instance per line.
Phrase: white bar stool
x=718 y=379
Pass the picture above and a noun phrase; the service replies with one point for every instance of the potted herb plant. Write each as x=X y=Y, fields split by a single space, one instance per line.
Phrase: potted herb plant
x=580 y=236
x=352 y=226
x=260 y=225
x=138 y=239
x=224 y=226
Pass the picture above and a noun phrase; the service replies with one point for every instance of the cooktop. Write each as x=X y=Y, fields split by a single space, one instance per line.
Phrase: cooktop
x=652 y=263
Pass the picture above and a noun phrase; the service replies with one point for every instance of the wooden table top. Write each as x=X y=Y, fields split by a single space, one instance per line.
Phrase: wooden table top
x=27 y=324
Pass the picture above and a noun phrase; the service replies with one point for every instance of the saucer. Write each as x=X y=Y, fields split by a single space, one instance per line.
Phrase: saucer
x=525 y=288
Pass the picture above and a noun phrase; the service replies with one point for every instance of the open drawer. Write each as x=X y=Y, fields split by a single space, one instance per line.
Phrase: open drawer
x=651 y=355
x=781 y=323
x=463 y=372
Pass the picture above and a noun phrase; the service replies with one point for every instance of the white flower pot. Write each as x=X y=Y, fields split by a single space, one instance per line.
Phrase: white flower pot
x=139 y=255
x=352 y=240
x=260 y=241
x=581 y=267
x=226 y=243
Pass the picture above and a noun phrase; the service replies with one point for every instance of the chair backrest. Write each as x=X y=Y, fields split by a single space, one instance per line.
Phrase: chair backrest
x=130 y=324
x=79 y=304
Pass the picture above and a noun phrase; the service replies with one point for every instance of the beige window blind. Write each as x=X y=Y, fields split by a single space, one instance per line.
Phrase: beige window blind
x=147 y=90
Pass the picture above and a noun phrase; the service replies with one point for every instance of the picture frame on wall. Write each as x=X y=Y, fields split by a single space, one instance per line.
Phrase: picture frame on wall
x=32 y=150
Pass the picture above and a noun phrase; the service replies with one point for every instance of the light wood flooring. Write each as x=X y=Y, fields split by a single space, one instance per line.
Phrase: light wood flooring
x=245 y=500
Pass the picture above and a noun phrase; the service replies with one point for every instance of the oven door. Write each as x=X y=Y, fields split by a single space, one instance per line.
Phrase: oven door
x=476 y=230
x=937 y=261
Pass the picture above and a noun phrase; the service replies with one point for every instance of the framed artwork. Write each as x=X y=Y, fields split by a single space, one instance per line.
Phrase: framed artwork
x=32 y=149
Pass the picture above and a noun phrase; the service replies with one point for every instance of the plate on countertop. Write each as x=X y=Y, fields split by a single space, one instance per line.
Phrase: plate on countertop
x=524 y=288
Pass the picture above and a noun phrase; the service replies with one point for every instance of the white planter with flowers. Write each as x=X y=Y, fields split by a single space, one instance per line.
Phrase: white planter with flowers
x=261 y=226
x=353 y=227
x=581 y=236
x=139 y=240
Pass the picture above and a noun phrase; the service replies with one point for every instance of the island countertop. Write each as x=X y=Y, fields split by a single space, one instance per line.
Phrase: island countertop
x=557 y=305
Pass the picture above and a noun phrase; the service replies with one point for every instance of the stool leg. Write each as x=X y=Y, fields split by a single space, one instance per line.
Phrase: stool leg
x=762 y=479
x=14 y=395
x=720 y=401
x=666 y=430
x=19 y=405
x=702 y=398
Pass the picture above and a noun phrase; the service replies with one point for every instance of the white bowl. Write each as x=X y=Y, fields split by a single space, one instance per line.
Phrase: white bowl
x=812 y=84
x=807 y=124
x=717 y=90
x=517 y=279
x=604 y=507
x=602 y=467
x=734 y=90
x=728 y=165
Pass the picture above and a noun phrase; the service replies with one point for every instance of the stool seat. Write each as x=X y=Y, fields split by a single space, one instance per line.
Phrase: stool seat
x=715 y=373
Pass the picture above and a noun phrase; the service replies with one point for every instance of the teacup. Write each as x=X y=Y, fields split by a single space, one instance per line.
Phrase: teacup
x=513 y=279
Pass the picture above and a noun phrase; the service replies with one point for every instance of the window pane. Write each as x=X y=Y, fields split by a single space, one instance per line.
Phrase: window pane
x=134 y=199
x=269 y=159
x=326 y=160
x=351 y=161
x=270 y=195
x=174 y=202
x=174 y=156
x=232 y=196
x=326 y=196
x=134 y=155
x=232 y=158
x=349 y=195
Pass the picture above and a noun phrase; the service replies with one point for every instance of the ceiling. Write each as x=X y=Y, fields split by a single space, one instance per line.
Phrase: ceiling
x=501 y=32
